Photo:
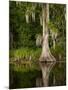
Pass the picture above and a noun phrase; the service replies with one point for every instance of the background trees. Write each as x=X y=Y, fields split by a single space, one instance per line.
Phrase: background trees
x=24 y=32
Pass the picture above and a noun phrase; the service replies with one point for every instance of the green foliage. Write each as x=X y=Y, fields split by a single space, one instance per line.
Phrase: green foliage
x=26 y=52
x=57 y=17
x=23 y=33
x=52 y=27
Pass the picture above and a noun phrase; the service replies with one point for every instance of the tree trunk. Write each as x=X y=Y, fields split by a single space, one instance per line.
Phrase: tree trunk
x=46 y=54
x=27 y=16
x=18 y=3
x=33 y=12
x=54 y=43
x=41 y=22
x=46 y=58
x=33 y=16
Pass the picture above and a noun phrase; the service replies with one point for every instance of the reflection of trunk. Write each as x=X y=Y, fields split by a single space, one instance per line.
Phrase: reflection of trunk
x=38 y=82
x=54 y=80
x=46 y=55
x=45 y=76
x=46 y=67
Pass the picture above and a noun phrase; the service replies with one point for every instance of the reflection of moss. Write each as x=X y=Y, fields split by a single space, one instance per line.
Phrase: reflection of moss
x=24 y=79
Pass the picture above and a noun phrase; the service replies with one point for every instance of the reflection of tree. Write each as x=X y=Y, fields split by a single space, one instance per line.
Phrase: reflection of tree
x=46 y=67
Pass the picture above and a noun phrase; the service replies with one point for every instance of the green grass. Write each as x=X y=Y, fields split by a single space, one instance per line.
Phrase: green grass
x=26 y=52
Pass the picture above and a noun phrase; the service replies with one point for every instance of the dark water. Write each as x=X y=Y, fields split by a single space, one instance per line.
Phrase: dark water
x=27 y=79
x=58 y=75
